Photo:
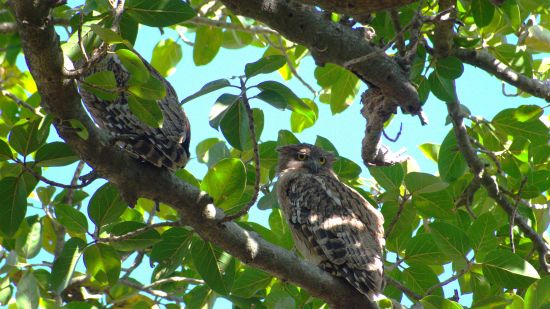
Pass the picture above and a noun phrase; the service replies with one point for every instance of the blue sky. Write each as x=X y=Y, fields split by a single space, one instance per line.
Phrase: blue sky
x=477 y=90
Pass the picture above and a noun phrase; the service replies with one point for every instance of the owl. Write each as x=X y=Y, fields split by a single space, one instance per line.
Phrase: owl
x=333 y=226
x=166 y=146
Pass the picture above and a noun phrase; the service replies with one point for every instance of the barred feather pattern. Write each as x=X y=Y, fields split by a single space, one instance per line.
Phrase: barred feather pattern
x=333 y=226
x=167 y=146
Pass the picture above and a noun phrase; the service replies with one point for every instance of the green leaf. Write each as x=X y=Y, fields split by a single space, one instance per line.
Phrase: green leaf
x=28 y=137
x=63 y=267
x=147 y=111
x=153 y=89
x=389 y=177
x=437 y=204
x=197 y=297
x=102 y=84
x=106 y=205
x=208 y=41
x=220 y=108
x=13 y=201
x=29 y=244
x=235 y=126
x=249 y=281
x=6 y=290
x=5 y=151
x=28 y=292
x=340 y=85
x=327 y=145
x=443 y=88
x=71 y=218
x=538 y=294
x=508 y=270
x=166 y=55
x=286 y=137
x=225 y=182
x=292 y=101
x=419 y=278
x=273 y=98
x=138 y=241
x=418 y=183
x=346 y=169
x=161 y=13
x=207 y=88
x=211 y=151
x=138 y=71
x=438 y=302
x=431 y=151
x=265 y=65
x=171 y=249
x=451 y=240
x=483 y=236
x=422 y=249
x=483 y=12
x=449 y=67
x=279 y=227
x=55 y=154
x=79 y=128
x=508 y=121
x=299 y=122
x=205 y=258
x=107 y=35
x=102 y=264
x=451 y=163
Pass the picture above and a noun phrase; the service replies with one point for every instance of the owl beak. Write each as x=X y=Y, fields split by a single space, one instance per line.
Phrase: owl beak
x=315 y=166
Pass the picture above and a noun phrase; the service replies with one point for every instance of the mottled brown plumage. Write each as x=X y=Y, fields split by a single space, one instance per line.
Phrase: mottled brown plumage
x=332 y=224
x=166 y=146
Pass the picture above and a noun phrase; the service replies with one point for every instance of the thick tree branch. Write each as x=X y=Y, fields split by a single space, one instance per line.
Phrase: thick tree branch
x=358 y=7
x=331 y=42
x=136 y=179
x=487 y=62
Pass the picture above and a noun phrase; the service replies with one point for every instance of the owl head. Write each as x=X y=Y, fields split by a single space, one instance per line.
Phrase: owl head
x=305 y=158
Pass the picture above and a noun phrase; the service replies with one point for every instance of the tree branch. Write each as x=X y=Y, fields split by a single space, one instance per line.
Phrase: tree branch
x=487 y=62
x=329 y=42
x=137 y=179
x=358 y=7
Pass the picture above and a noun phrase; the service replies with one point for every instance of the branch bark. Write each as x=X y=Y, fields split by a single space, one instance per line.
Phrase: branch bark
x=330 y=42
x=357 y=7
x=135 y=179
x=487 y=62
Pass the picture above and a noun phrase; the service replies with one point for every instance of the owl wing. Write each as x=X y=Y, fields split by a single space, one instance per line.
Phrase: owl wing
x=342 y=226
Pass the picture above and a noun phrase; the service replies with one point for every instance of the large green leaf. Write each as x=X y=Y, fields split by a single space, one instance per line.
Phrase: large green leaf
x=28 y=137
x=28 y=292
x=418 y=183
x=221 y=108
x=483 y=12
x=225 y=182
x=205 y=258
x=55 y=154
x=422 y=249
x=299 y=122
x=102 y=264
x=208 y=41
x=71 y=218
x=166 y=55
x=207 y=88
x=161 y=13
x=438 y=302
x=346 y=169
x=340 y=85
x=139 y=73
x=451 y=163
x=443 y=88
x=171 y=249
x=451 y=240
x=6 y=290
x=102 y=84
x=13 y=201
x=106 y=205
x=449 y=67
x=107 y=35
x=235 y=126
x=483 y=235
x=285 y=98
x=538 y=294
x=508 y=270
x=389 y=177
x=29 y=240
x=147 y=111
x=249 y=281
x=509 y=122
x=64 y=265
x=5 y=151
x=279 y=227
x=265 y=65
x=138 y=241
x=153 y=89
x=419 y=278
x=438 y=204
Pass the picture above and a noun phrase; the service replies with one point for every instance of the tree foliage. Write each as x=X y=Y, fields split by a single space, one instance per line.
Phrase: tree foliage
x=481 y=222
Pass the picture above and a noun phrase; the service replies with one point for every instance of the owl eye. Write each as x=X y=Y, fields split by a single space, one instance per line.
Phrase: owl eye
x=322 y=160
x=302 y=156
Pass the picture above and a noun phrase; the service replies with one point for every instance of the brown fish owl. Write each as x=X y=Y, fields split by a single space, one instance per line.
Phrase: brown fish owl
x=333 y=226
x=166 y=146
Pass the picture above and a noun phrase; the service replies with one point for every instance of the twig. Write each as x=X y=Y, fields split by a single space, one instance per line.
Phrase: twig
x=24 y=104
x=410 y=293
x=513 y=216
x=489 y=153
x=468 y=195
x=392 y=224
x=138 y=231
x=183 y=38
x=222 y=24
x=399 y=40
x=158 y=293
x=117 y=14
x=47 y=181
x=174 y=280
x=252 y=129
x=76 y=177
x=291 y=65
x=451 y=279
x=135 y=264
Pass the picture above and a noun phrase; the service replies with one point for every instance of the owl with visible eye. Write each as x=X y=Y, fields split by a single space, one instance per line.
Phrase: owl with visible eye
x=333 y=226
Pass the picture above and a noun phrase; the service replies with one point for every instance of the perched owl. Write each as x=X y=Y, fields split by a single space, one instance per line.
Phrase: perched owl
x=166 y=146
x=333 y=226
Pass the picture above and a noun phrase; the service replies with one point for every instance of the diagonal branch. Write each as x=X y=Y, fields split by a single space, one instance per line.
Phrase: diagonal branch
x=136 y=179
